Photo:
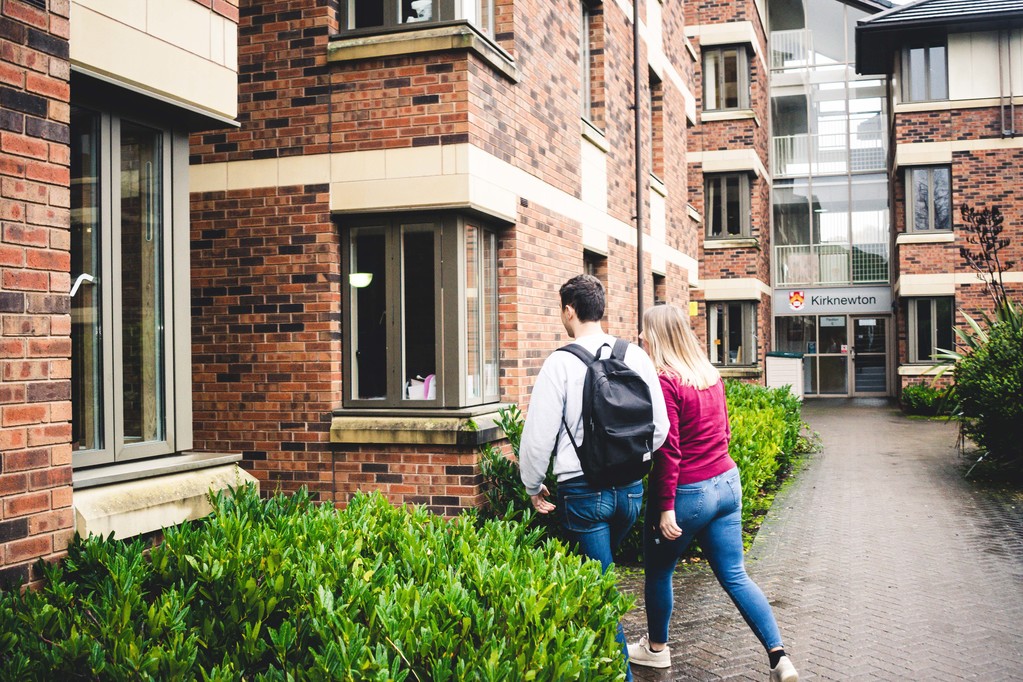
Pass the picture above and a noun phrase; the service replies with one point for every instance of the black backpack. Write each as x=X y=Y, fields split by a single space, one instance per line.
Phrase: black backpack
x=618 y=419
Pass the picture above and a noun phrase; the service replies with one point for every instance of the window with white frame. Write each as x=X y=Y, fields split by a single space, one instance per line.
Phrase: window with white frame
x=931 y=323
x=732 y=333
x=929 y=199
x=417 y=334
x=130 y=330
x=726 y=78
x=728 y=205
x=925 y=74
x=366 y=14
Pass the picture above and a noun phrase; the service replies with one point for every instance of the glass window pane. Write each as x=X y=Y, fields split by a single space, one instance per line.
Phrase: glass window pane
x=142 y=277
x=920 y=198
x=733 y=206
x=715 y=216
x=86 y=311
x=833 y=374
x=832 y=334
x=489 y=300
x=943 y=323
x=413 y=11
x=797 y=334
x=419 y=313
x=365 y=13
x=369 y=314
x=938 y=78
x=917 y=74
x=736 y=343
x=717 y=333
x=924 y=329
x=473 y=350
x=710 y=80
x=942 y=197
x=730 y=80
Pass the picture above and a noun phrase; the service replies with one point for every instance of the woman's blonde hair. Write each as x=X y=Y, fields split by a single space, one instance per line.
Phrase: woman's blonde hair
x=674 y=348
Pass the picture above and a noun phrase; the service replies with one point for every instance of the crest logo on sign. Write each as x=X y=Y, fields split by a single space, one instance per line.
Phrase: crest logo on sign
x=797 y=300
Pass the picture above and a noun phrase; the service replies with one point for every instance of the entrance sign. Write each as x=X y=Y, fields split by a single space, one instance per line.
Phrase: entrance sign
x=854 y=300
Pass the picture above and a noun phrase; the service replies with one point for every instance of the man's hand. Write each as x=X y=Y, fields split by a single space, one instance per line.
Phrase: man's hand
x=540 y=502
x=669 y=529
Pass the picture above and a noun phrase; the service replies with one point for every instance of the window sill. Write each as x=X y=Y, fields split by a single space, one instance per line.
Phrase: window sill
x=595 y=135
x=469 y=426
x=735 y=243
x=149 y=468
x=657 y=185
x=729 y=115
x=693 y=213
x=401 y=41
x=924 y=106
x=925 y=237
x=917 y=370
x=753 y=372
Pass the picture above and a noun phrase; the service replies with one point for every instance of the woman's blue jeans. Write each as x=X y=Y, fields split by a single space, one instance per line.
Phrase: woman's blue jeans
x=597 y=520
x=711 y=512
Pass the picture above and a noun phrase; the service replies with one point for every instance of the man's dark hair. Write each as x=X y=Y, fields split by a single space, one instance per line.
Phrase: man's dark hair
x=585 y=294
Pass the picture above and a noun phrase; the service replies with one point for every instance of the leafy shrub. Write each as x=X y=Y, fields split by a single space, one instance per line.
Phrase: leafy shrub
x=927 y=400
x=766 y=426
x=989 y=391
x=287 y=590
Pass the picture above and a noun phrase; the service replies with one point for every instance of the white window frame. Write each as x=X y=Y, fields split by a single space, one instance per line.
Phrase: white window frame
x=930 y=62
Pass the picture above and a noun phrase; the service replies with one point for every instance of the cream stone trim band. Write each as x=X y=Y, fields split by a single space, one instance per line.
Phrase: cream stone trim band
x=919 y=370
x=176 y=49
x=422 y=178
x=951 y=104
x=729 y=160
x=742 y=289
x=730 y=33
x=925 y=238
x=944 y=283
x=930 y=153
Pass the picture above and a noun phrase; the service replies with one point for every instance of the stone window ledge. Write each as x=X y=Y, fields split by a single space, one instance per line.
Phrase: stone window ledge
x=737 y=243
x=741 y=372
x=395 y=41
x=150 y=468
x=935 y=237
x=471 y=427
x=920 y=370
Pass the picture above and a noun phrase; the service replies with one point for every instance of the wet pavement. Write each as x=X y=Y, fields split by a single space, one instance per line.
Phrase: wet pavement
x=881 y=562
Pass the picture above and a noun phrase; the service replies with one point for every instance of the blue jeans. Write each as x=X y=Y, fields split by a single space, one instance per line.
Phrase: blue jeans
x=710 y=511
x=597 y=520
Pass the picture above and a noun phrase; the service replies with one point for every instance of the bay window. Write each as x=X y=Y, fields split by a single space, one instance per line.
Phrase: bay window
x=420 y=319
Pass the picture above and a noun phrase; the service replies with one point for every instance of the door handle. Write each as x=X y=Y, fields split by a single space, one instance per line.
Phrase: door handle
x=84 y=277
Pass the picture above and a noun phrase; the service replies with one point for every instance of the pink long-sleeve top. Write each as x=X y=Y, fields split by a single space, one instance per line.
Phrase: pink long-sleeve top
x=697 y=445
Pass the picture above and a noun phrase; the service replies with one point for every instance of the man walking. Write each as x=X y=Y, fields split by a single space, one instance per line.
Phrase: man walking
x=594 y=518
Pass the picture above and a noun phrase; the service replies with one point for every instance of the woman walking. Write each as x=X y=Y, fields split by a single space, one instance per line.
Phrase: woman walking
x=694 y=492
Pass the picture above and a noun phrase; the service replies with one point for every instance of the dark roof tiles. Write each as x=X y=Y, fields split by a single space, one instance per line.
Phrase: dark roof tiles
x=940 y=11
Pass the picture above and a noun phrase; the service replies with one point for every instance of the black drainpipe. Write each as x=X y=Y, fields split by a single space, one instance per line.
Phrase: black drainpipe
x=638 y=110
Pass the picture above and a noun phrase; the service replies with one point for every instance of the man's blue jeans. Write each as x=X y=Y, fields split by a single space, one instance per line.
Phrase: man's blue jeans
x=710 y=511
x=597 y=520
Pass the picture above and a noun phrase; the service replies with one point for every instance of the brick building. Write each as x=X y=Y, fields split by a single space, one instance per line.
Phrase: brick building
x=955 y=74
x=332 y=248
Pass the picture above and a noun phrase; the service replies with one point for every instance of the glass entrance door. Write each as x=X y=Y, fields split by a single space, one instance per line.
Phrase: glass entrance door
x=870 y=355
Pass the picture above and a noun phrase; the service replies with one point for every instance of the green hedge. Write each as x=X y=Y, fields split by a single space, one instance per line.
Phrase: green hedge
x=766 y=427
x=926 y=400
x=284 y=589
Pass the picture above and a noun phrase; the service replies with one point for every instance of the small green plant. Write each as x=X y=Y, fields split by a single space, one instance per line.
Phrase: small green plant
x=927 y=400
x=284 y=589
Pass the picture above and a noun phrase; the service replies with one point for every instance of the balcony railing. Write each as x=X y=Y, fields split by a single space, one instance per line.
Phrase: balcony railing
x=791 y=49
x=809 y=154
x=831 y=264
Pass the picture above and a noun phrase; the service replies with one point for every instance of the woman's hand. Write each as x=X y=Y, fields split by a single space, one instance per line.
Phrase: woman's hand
x=669 y=529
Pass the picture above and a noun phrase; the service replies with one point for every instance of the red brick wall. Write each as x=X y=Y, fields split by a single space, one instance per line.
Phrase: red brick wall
x=981 y=179
x=35 y=345
x=266 y=262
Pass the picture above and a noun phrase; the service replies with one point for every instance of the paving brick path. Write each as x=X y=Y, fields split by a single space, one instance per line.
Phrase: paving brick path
x=881 y=562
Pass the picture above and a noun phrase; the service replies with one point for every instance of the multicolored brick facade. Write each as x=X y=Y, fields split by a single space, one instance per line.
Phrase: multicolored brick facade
x=36 y=517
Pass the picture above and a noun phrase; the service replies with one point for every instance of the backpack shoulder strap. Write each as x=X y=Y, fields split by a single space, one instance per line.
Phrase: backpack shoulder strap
x=620 y=348
x=578 y=351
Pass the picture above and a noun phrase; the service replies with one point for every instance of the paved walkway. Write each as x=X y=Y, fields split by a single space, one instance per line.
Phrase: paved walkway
x=881 y=562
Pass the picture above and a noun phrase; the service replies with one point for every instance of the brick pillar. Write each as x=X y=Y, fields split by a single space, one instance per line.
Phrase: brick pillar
x=35 y=325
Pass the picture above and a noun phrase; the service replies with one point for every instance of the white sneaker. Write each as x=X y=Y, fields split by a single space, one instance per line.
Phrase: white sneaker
x=783 y=672
x=641 y=654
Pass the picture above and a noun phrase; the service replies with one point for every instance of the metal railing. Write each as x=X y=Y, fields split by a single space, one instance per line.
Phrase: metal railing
x=830 y=264
x=825 y=154
x=791 y=49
